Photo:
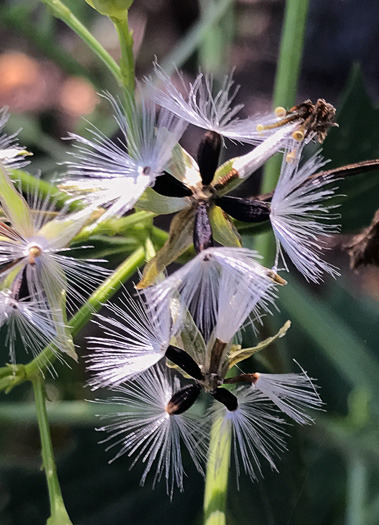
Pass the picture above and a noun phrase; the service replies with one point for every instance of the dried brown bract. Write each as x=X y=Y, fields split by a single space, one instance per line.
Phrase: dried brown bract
x=364 y=247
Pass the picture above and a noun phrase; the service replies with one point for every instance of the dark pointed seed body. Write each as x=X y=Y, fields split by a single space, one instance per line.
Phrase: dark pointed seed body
x=169 y=186
x=244 y=210
x=225 y=397
x=182 y=400
x=185 y=361
x=208 y=155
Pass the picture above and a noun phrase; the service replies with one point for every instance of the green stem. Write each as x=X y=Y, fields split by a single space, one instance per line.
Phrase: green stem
x=13 y=375
x=216 y=480
x=286 y=81
x=125 y=36
x=196 y=35
x=62 y=12
x=58 y=511
x=149 y=250
x=114 y=227
x=356 y=491
x=31 y=184
x=71 y=413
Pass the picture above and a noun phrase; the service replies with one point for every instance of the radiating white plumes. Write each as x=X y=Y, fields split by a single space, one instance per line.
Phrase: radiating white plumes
x=211 y=281
x=291 y=393
x=50 y=268
x=241 y=295
x=31 y=242
x=299 y=218
x=215 y=112
x=27 y=320
x=256 y=432
x=120 y=172
x=137 y=338
x=146 y=432
x=11 y=154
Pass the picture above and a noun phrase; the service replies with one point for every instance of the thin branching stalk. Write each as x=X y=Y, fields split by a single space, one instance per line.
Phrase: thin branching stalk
x=62 y=12
x=286 y=81
x=58 y=510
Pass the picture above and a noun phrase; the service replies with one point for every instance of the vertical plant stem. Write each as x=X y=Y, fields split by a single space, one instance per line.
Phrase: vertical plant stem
x=58 y=511
x=125 y=36
x=149 y=250
x=62 y=12
x=356 y=491
x=196 y=35
x=216 y=480
x=286 y=81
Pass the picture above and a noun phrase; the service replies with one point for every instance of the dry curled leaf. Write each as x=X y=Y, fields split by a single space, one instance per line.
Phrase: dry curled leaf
x=364 y=247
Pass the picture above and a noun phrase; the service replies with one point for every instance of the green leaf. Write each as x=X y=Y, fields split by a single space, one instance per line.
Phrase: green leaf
x=152 y=201
x=180 y=239
x=221 y=172
x=14 y=205
x=356 y=139
x=190 y=336
x=184 y=168
x=240 y=355
x=223 y=229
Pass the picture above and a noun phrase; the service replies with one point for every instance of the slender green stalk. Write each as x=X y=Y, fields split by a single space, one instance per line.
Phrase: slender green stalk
x=356 y=491
x=216 y=480
x=125 y=37
x=214 y=51
x=11 y=376
x=33 y=185
x=114 y=227
x=62 y=12
x=58 y=511
x=286 y=81
x=196 y=35
x=71 y=413
x=149 y=250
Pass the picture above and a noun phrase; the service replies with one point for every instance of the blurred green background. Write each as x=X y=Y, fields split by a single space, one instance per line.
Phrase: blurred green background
x=50 y=81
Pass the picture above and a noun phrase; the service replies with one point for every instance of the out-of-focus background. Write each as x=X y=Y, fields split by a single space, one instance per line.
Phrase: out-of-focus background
x=50 y=80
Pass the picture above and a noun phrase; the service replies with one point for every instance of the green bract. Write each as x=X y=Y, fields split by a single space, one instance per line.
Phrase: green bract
x=112 y=8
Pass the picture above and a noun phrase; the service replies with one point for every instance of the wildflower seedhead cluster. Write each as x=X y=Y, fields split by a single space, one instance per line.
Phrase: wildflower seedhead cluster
x=177 y=343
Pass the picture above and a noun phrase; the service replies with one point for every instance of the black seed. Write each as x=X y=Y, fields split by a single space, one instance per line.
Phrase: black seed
x=183 y=399
x=208 y=155
x=244 y=210
x=169 y=186
x=185 y=361
x=226 y=398
x=202 y=233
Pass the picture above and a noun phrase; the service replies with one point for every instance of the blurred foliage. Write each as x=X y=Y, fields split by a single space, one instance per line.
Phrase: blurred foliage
x=356 y=139
x=330 y=474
